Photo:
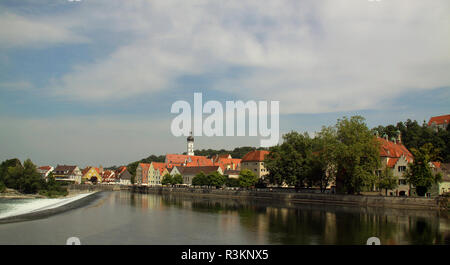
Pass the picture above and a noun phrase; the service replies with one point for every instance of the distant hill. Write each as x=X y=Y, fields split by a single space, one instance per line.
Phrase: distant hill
x=238 y=152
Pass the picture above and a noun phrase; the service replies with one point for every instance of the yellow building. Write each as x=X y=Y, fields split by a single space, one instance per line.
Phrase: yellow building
x=91 y=174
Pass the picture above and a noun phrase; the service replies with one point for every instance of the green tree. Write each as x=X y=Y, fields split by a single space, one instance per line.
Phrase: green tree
x=2 y=187
x=357 y=155
x=167 y=180
x=215 y=179
x=288 y=162
x=232 y=182
x=387 y=180
x=4 y=176
x=247 y=178
x=53 y=188
x=200 y=180
x=420 y=173
x=177 y=179
x=26 y=179
x=323 y=160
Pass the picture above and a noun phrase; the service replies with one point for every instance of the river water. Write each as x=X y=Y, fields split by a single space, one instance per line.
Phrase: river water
x=127 y=218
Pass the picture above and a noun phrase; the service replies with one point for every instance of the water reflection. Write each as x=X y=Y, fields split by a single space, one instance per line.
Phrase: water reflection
x=278 y=223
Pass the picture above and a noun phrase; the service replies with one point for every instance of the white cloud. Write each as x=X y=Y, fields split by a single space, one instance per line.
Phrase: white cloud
x=19 y=31
x=313 y=56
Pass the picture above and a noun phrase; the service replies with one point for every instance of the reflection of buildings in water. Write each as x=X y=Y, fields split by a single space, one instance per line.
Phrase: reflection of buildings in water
x=330 y=234
x=229 y=222
x=186 y=204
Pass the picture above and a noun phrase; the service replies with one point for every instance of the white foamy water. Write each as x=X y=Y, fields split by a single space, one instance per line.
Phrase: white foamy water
x=10 y=208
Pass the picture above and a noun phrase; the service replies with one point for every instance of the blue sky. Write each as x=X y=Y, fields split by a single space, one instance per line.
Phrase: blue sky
x=92 y=82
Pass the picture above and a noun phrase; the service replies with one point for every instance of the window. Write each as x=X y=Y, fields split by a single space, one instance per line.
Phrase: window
x=401 y=168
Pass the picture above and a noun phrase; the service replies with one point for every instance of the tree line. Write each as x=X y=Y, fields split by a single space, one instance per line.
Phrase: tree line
x=245 y=179
x=26 y=179
x=347 y=154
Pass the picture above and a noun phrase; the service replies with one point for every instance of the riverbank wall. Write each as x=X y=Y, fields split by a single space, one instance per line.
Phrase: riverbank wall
x=303 y=197
x=291 y=196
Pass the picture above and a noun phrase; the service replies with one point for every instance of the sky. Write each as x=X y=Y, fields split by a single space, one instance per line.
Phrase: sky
x=92 y=82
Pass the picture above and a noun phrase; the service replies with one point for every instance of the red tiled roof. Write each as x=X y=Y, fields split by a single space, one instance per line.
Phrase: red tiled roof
x=85 y=170
x=444 y=119
x=391 y=162
x=121 y=169
x=46 y=168
x=234 y=163
x=255 y=156
x=159 y=166
x=394 y=150
x=180 y=160
x=437 y=164
x=108 y=174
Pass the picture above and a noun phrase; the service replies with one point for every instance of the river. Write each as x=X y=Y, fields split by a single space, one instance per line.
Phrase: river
x=122 y=217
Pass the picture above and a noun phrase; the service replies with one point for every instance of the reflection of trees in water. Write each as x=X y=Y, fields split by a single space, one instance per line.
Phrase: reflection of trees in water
x=293 y=226
x=426 y=232
x=307 y=223
x=357 y=228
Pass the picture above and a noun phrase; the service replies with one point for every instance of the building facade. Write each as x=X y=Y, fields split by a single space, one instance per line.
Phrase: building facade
x=254 y=161
x=395 y=156
x=142 y=174
x=439 y=122
x=67 y=173
x=91 y=174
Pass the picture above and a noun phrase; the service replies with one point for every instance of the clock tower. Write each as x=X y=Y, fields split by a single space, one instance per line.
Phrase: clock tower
x=190 y=145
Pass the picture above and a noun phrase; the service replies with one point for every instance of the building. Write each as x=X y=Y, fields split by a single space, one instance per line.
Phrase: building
x=444 y=186
x=45 y=171
x=190 y=145
x=91 y=174
x=109 y=177
x=439 y=122
x=188 y=173
x=396 y=156
x=254 y=161
x=226 y=162
x=123 y=175
x=230 y=173
x=67 y=173
x=187 y=160
x=142 y=174
x=174 y=171
x=155 y=173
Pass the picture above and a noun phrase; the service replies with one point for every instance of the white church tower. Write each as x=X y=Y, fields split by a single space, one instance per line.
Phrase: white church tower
x=190 y=145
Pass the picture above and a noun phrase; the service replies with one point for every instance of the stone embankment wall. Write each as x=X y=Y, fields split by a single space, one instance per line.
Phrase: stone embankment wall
x=305 y=197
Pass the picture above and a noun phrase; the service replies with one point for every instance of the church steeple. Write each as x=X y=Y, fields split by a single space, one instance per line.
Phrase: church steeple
x=190 y=145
